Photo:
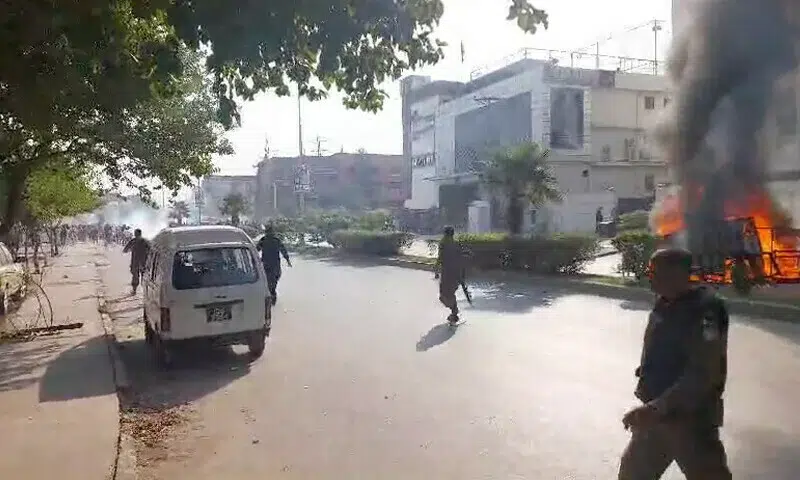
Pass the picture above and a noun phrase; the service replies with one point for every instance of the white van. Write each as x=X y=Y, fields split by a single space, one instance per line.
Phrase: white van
x=205 y=282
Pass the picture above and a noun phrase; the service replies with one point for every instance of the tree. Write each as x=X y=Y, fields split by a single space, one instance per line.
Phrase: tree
x=179 y=211
x=109 y=56
x=234 y=206
x=522 y=175
x=169 y=138
x=54 y=193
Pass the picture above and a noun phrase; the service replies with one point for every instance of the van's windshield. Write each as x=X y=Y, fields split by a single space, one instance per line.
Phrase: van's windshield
x=213 y=267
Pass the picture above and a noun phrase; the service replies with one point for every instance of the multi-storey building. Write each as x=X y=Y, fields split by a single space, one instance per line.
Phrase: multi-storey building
x=287 y=185
x=593 y=120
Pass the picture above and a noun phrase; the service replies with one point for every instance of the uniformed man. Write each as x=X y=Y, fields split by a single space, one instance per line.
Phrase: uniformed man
x=450 y=272
x=272 y=248
x=139 y=248
x=681 y=379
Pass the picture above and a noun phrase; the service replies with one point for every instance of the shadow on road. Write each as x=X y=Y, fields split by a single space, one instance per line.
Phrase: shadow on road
x=436 y=336
x=80 y=372
x=783 y=329
x=351 y=261
x=197 y=371
x=20 y=360
x=637 y=306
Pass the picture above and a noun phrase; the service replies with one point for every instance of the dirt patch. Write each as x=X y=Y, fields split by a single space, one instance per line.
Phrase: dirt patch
x=153 y=429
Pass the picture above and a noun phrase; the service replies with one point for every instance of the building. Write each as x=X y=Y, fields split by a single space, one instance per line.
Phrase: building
x=355 y=181
x=594 y=121
x=215 y=188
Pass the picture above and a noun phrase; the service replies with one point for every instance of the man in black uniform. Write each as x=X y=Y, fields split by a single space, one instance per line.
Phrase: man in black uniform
x=681 y=379
x=450 y=272
x=139 y=248
x=272 y=248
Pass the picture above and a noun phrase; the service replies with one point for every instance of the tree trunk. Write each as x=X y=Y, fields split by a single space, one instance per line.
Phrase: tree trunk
x=514 y=214
x=15 y=178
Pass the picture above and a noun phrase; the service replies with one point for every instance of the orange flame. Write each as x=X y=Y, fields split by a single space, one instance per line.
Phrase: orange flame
x=780 y=259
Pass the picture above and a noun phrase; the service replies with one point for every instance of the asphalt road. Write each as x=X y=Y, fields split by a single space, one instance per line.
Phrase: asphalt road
x=361 y=380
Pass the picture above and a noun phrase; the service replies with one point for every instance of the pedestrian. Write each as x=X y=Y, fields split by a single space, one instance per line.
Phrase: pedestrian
x=272 y=248
x=450 y=272
x=139 y=248
x=681 y=379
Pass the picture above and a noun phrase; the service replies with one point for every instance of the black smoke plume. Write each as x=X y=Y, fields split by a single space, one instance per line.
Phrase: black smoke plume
x=723 y=69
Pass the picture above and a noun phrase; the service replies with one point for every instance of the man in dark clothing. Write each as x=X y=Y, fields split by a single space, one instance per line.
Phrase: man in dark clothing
x=139 y=248
x=450 y=272
x=272 y=248
x=682 y=377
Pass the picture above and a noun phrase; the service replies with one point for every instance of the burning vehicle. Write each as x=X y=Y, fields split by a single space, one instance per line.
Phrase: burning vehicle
x=753 y=240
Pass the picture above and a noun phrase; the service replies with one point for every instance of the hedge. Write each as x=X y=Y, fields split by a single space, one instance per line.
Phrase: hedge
x=372 y=242
x=564 y=253
x=636 y=247
x=637 y=220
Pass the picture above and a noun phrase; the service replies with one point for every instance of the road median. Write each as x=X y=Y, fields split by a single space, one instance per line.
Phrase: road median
x=614 y=287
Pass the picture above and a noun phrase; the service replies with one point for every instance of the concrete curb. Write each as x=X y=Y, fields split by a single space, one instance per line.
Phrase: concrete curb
x=125 y=462
x=737 y=306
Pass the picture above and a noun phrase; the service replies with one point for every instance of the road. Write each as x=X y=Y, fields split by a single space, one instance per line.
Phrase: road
x=362 y=380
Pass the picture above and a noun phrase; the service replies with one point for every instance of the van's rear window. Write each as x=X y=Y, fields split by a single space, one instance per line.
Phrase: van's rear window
x=213 y=267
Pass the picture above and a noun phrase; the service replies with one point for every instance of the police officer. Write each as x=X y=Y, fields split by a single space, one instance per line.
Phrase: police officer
x=450 y=272
x=681 y=379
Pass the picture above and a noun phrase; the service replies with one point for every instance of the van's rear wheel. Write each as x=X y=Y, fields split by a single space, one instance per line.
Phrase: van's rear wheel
x=149 y=334
x=163 y=354
x=257 y=344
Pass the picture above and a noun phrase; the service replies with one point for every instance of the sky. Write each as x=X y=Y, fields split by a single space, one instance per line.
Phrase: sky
x=487 y=37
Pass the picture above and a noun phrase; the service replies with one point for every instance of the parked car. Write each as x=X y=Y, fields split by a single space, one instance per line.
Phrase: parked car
x=205 y=283
x=12 y=280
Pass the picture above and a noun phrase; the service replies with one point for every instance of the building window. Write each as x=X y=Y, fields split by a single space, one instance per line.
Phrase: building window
x=606 y=153
x=649 y=183
x=649 y=103
x=666 y=102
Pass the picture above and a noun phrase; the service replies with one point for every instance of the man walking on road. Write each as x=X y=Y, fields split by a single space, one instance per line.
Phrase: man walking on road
x=450 y=272
x=139 y=248
x=682 y=378
x=272 y=248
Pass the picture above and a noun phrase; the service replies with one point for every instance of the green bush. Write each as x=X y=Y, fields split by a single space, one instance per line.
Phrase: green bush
x=372 y=242
x=638 y=220
x=563 y=253
x=636 y=247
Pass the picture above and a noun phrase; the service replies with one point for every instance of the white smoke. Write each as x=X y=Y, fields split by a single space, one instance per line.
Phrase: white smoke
x=132 y=212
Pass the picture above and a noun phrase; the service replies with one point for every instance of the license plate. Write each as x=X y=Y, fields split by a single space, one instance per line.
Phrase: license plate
x=218 y=314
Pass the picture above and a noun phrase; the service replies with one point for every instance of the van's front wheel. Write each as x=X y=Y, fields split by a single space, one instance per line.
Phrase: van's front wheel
x=257 y=344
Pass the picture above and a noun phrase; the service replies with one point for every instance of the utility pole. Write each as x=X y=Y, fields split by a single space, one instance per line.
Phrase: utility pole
x=656 y=28
x=318 y=142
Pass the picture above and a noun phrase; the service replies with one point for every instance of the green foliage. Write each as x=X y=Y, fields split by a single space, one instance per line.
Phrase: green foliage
x=234 y=206
x=354 y=47
x=371 y=242
x=563 y=253
x=636 y=247
x=522 y=175
x=638 y=220
x=172 y=139
x=56 y=193
x=374 y=220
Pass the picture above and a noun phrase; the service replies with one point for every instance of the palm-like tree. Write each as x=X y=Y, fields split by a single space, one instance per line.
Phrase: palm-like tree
x=179 y=211
x=523 y=177
x=234 y=206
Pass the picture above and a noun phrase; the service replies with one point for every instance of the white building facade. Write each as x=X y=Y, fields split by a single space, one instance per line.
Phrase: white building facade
x=595 y=154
